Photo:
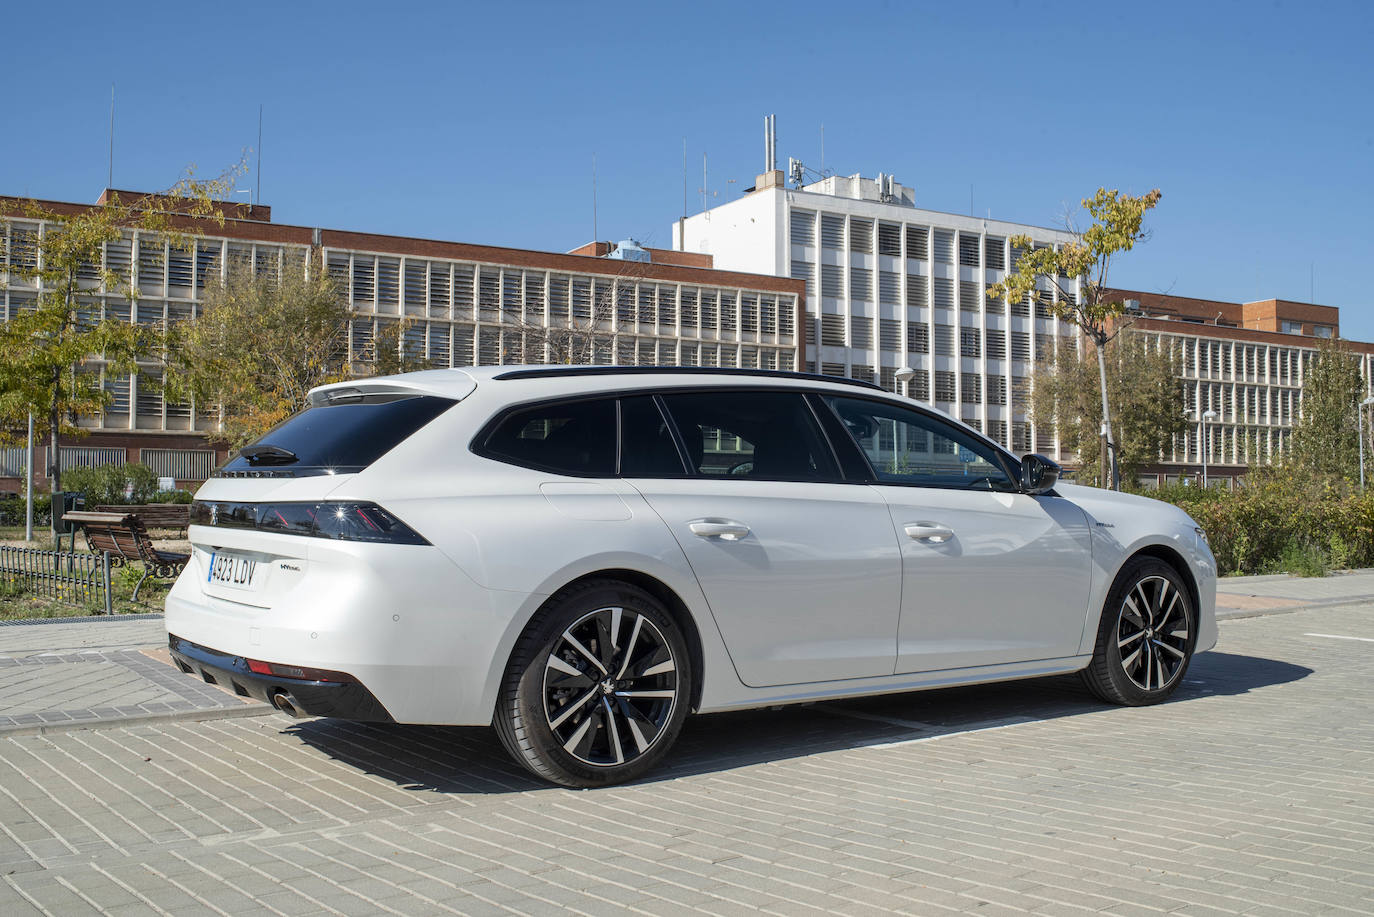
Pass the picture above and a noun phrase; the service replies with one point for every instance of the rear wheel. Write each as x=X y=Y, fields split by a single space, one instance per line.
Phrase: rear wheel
x=1146 y=636
x=597 y=688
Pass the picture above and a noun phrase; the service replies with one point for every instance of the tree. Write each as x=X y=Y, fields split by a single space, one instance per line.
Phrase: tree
x=49 y=354
x=576 y=341
x=1325 y=443
x=264 y=340
x=1143 y=386
x=1086 y=258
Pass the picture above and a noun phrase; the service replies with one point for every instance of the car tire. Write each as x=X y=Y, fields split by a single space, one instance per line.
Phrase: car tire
x=1145 y=637
x=597 y=687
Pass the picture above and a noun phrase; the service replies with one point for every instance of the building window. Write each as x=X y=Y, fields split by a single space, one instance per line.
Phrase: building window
x=860 y=235
x=944 y=246
x=832 y=231
x=832 y=281
x=968 y=249
x=889 y=239
x=994 y=254
x=944 y=385
x=1322 y=331
x=918 y=243
x=970 y=344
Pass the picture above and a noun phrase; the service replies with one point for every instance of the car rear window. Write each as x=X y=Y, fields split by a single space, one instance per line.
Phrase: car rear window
x=337 y=438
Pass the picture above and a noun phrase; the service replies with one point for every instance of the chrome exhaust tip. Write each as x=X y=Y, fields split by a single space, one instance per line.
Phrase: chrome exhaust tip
x=287 y=704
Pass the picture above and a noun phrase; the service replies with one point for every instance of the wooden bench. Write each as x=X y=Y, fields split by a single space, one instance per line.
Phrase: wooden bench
x=123 y=536
x=155 y=515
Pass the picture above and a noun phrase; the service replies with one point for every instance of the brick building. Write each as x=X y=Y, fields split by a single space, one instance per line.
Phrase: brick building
x=465 y=305
x=1244 y=362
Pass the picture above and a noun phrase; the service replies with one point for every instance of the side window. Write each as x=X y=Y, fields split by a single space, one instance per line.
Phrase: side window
x=909 y=447
x=755 y=435
x=647 y=449
x=574 y=437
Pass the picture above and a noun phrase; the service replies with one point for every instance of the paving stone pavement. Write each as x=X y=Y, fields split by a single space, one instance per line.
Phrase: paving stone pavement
x=93 y=672
x=74 y=674
x=1250 y=793
x=1239 y=595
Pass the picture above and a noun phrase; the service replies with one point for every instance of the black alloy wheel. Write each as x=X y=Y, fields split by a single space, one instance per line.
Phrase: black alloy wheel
x=597 y=688
x=1146 y=636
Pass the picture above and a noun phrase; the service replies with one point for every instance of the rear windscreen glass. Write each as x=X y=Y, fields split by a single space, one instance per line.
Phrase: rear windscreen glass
x=336 y=438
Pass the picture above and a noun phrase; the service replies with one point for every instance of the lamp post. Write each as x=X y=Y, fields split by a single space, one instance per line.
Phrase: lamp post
x=904 y=376
x=1206 y=418
x=1359 y=428
x=28 y=483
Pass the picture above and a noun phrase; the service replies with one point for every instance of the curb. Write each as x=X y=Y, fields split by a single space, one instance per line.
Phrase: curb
x=1264 y=612
x=193 y=716
x=87 y=619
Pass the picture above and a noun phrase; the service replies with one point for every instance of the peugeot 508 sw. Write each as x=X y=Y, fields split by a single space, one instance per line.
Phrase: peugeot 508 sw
x=582 y=556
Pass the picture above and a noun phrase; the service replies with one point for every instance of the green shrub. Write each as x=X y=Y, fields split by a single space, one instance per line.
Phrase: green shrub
x=112 y=484
x=1302 y=557
x=128 y=576
x=12 y=509
x=1282 y=522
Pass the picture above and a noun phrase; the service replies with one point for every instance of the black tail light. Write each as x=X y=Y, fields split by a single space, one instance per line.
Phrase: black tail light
x=341 y=521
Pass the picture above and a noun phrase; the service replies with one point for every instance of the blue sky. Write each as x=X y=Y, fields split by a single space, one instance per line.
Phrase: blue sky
x=479 y=122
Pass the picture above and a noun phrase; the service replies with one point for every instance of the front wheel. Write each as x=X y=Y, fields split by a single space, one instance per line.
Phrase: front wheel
x=1146 y=636
x=597 y=688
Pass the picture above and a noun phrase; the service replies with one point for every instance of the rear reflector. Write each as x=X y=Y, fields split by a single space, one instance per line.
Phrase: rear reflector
x=300 y=673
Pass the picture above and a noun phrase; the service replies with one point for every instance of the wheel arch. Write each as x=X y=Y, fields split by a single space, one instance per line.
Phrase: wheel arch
x=1175 y=560
x=670 y=600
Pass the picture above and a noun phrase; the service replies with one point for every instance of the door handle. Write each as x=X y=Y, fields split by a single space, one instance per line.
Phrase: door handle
x=725 y=529
x=933 y=532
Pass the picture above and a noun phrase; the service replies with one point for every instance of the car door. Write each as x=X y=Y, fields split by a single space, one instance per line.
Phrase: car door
x=989 y=575
x=801 y=571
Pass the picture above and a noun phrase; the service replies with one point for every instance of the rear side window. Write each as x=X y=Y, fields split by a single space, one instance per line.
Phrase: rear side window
x=574 y=437
x=756 y=435
x=337 y=438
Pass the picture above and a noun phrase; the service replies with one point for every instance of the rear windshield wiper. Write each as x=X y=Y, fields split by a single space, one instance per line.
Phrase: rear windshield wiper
x=264 y=454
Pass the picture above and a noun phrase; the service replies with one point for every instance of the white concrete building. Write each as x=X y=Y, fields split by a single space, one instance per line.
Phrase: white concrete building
x=890 y=285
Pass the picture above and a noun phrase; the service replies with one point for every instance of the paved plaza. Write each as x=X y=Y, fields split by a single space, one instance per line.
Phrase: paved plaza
x=1250 y=793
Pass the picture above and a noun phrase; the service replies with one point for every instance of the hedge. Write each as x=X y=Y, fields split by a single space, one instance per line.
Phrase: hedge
x=1275 y=525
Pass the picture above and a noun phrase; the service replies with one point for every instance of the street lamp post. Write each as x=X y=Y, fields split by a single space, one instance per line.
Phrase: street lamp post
x=1359 y=429
x=1206 y=418
x=28 y=483
x=904 y=376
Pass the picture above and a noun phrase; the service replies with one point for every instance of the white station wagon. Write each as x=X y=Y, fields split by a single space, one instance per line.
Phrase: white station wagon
x=581 y=556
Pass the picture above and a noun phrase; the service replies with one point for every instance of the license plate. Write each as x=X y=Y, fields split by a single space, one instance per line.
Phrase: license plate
x=232 y=570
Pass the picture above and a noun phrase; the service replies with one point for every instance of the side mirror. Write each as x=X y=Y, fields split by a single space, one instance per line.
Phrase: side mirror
x=1038 y=474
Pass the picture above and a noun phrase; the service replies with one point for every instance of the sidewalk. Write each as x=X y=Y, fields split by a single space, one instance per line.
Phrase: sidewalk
x=59 y=674
x=62 y=674
x=1247 y=596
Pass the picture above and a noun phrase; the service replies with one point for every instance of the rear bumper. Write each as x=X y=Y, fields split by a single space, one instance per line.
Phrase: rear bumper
x=349 y=700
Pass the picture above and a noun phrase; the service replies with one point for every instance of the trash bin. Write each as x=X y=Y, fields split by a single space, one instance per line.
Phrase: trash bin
x=64 y=502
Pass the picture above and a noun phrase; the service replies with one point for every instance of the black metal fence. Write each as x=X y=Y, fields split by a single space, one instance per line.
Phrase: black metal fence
x=74 y=578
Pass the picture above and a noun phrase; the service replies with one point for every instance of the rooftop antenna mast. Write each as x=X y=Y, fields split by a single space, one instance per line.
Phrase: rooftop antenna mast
x=594 y=235
x=682 y=220
x=703 y=182
x=109 y=181
x=770 y=143
x=684 y=176
x=258 y=195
